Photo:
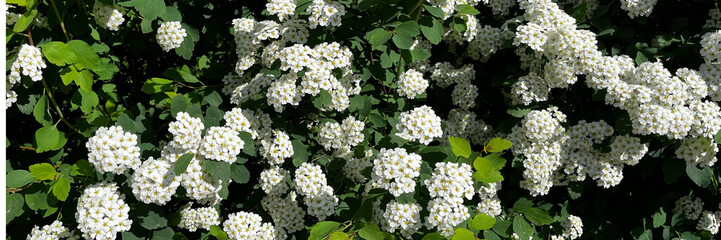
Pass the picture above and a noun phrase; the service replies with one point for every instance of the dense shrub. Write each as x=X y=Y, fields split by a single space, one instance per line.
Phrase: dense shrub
x=367 y=119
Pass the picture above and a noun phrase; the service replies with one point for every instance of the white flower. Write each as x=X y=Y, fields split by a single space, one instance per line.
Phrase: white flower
x=29 y=62
x=108 y=16
x=155 y=182
x=222 y=144
x=403 y=217
x=325 y=13
x=451 y=180
x=54 y=231
x=445 y=214
x=411 y=83
x=572 y=227
x=194 y=218
x=281 y=8
x=245 y=225
x=277 y=148
x=396 y=171
x=341 y=137
x=170 y=35
x=273 y=180
x=420 y=124
x=113 y=150
x=285 y=211
x=102 y=212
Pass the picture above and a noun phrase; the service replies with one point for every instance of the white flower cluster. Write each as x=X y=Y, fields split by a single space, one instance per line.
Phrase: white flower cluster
x=194 y=218
x=709 y=221
x=257 y=123
x=500 y=7
x=249 y=35
x=102 y=212
x=715 y=19
x=54 y=231
x=199 y=184
x=698 y=151
x=272 y=180
x=243 y=92
x=405 y=217
x=342 y=137
x=488 y=40
x=465 y=124
x=245 y=225
x=326 y=13
x=310 y=181
x=281 y=8
x=711 y=73
x=452 y=181
x=108 y=16
x=113 y=150
x=420 y=124
x=638 y=8
x=693 y=210
x=155 y=182
x=490 y=204
x=690 y=208
x=284 y=91
x=170 y=35
x=354 y=167
x=11 y=17
x=30 y=63
x=396 y=170
x=277 y=148
x=572 y=227
x=449 y=6
x=445 y=214
x=186 y=130
x=285 y=212
x=222 y=144
x=411 y=84
x=711 y=46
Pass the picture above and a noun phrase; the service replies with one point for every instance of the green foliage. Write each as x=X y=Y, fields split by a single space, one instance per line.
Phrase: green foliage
x=483 y=221
x=43 y=171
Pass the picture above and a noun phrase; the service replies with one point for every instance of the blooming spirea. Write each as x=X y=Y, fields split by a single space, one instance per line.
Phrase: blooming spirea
x=411 y=83
x=54 y=231
x=102 y=212
x=272 y=180
x=170 y=35
x=311 y=182
x=451 y=180
x=464 y=124
x=285 y=212
x=194 y=218
x=326 y=13
x=572 y=227
x=404 y=217
x=354 y=167
x=30 y=63
x=222 y=144
x=420 y=124
x=277 y=148
x=709 y=221
x=108 y=16
x=445 y=214
x=10 y=17
x=638 y=8
x=341 y=137
x=281 y=8
x=186 y=131
x=155 y=182
x=113 y=150
x=257 y=123
x=711 y=46
x=490 y=204
x=690 y=208
x=245 y=225
x=698 y=151
x=199 y=183
x=396 y=170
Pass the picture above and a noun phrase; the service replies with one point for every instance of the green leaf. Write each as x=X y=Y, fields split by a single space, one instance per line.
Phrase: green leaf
x=366 y=108
x=300 y=152
x=182 y=164
x=498 y=145
x=463 y=234
x=214 y=99
x=127 y=123
x=61 y=189
x=84 y=167
x=486 y=172
x=153 y=221
x=213 y=115
x=58 y=53
x=338 y=236
x=85 y=80
x=519 y=112
x=150 y=9
x=498 y=161
x=16 y=2
x=431 y=29
x=25 y=20
x=370 y=232
x=181 y=74
x=322 y=229
x=466 y=9
x=538 y=216
x=37 y=200
x=18 y=178
x=13 y=206
x=409 y=29
x=459 y=24
x=89 y=100
x=435 y=11
x=156 y=85
x=378 y=37
x=249 y=144
x=460 y=147
x=87 y=58
x=48 y=138
x=717 y=138
x=40 y=111
x=522 y=205
x=178 y=104
x=43 y=171
x=68 y=75
x=702 y=177
x=163 y=234
x=218 y=233
x=580 y=11
x=659 y=218
x=323 y=99
x=420 y=54
x=403 y=41
x=239 y=173
x=220 y=170
x=105 y=69
x=522 y=228
x=171 y=14
x=483 y=221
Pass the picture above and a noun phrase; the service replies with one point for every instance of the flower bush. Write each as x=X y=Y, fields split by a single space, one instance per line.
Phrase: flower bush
x=363 y=119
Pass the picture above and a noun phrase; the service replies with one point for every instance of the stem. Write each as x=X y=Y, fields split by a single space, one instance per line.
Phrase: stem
x=62 y=25
x=57 y=107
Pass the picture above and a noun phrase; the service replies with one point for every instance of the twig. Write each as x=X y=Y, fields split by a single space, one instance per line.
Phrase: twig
x=57 y=107
x=62 y=25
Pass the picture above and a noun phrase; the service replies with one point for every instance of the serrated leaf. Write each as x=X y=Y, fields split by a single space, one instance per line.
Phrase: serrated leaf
x=322 y=229
x=153 y=221
x=40 y=111
x=420 y=54
x=126 y=123
x=178 y=104
x=18 y=178
x=248 y=143
x=498 y=145
x=171 y=14
x=13 y=206
x=43 y=171
x=485 y=171
x=37 y=200
x=239 y=173
x=408 y=28
x=149 y=9
x=431 y=29
x=463 y=234
x=89 y=100
x=435 y=11
x=182 y=164
x=87 y=58
x=218 y=233
x=48 y=138
x=659 y=218
x=483 y=221
x=214 y=99
x=717 y=138
x=403 y=41
x=84 y=80
x=519 y=112
x=338 y=236
x=181 y=74
x=58 y=53
x=522 y=228
x=498 y=161
x=460 y=147
x=25 y=20
x=156 y=85
x=466 y=9
x=378 y=37
x=522 y=205
x=701 y=176
x=370 y=232
x=538 y=216
x=61 y=189
x=220 y=170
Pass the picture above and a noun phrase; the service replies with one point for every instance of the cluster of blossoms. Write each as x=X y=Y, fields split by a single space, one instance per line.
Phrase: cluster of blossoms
x=222 y=144
x=29 y=63
x=170 y=35
x=449 y=6
x=445 y=214
x=56 y=230
x=354 y=166
x=310 y=181
x=245 y=225
x=698 y=151
x=490 y=204
x=272 y=180
x=715 y=19
x=693 y=210
x=420 y=124
x=488 y=41
x=277 y=148
x=325 y=13
x=465 y=124
x=281 y=8
x=405 y=217
x=155 y=182
x=186 y=130
x=396 y=170
x=102 y=212
x=448 y=185
x=342 y=137
x=285 y=212
x=499 y=7
x=638 y=8
x=257 y=123
x=464 y=93
x=194 y=218
x=108 y=16
x=113 y=150
x=411 y=83
x=11 y=17
x=572 y=229
x=711 y=46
